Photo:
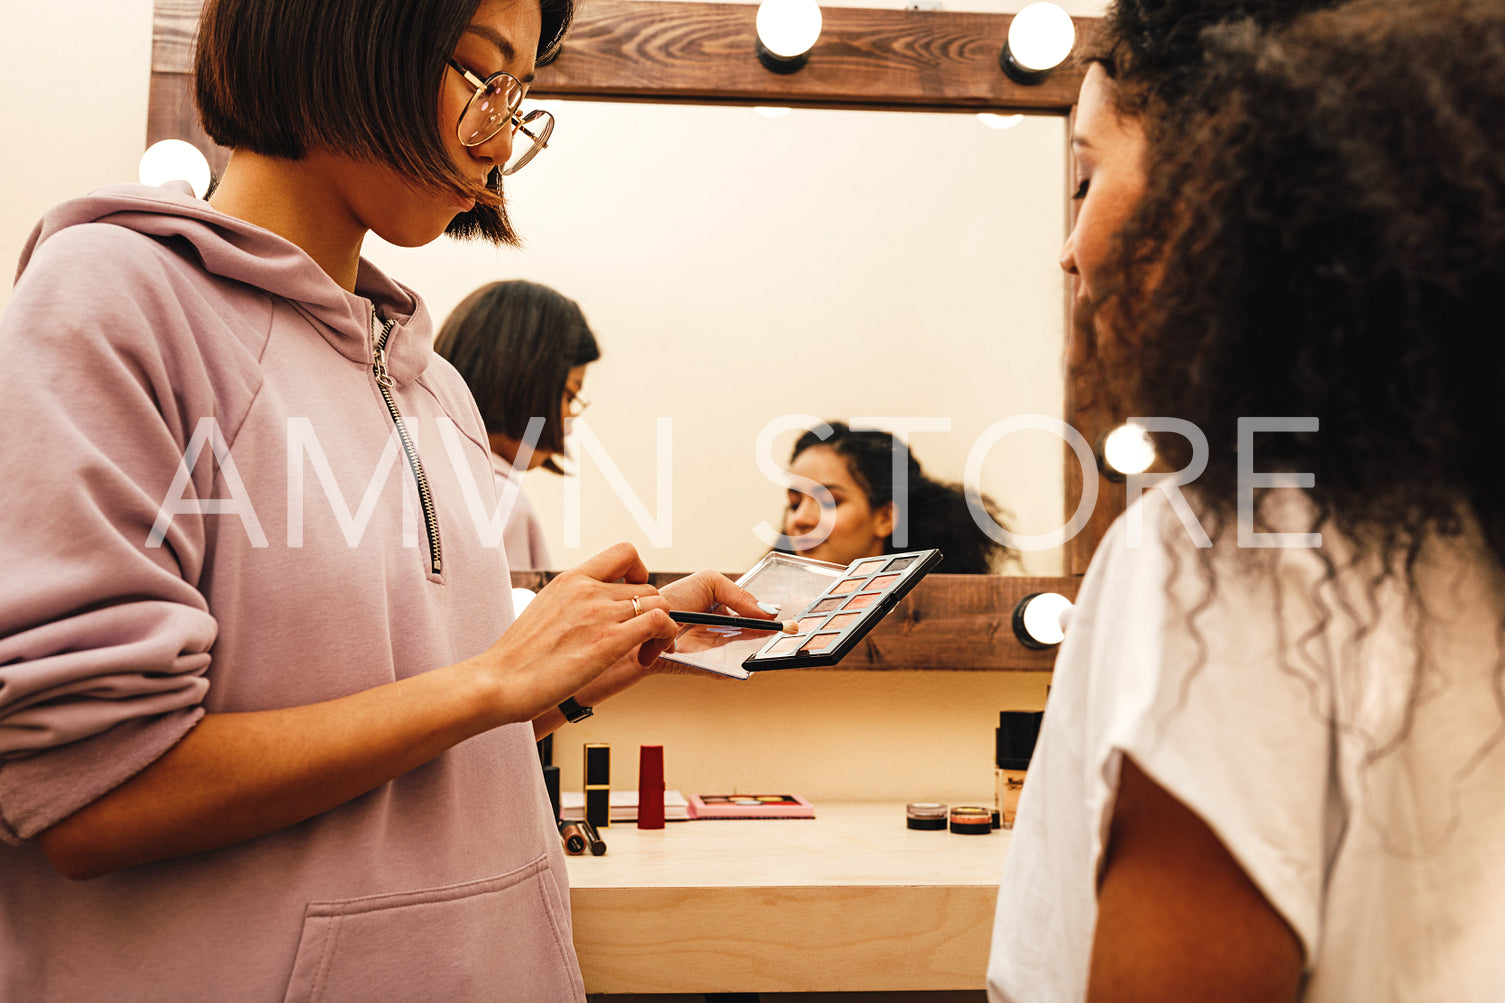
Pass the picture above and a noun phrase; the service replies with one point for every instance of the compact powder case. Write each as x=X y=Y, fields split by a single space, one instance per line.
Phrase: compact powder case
x=833 y=607
x=971 y=820
x=925 y=815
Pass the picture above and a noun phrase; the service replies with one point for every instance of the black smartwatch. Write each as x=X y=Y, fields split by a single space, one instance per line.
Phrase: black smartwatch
x=573 y=712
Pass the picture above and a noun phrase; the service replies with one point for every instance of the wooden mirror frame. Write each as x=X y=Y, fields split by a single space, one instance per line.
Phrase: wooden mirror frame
x=690 y=52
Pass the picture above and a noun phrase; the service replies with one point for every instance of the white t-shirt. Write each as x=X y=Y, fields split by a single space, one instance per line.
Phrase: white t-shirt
x=522 y=534
x=1379 y=838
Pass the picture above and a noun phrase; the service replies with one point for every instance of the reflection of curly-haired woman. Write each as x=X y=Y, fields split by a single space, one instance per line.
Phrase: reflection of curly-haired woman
x=866 y=506
x=1271 y=767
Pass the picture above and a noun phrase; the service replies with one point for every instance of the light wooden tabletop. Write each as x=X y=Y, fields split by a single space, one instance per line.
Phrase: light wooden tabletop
x=850 y=900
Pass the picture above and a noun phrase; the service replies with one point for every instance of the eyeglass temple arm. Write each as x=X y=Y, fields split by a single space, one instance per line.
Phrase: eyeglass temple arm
x=518 y=126
x=470 y=77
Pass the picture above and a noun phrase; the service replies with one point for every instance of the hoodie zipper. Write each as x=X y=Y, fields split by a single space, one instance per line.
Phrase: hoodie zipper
x=384 y=384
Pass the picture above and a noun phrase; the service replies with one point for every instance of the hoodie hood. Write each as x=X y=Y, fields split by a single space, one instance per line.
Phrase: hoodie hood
x=243 y=252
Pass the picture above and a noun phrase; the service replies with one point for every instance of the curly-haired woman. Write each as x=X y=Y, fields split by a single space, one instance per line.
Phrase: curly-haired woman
x=1271 y=765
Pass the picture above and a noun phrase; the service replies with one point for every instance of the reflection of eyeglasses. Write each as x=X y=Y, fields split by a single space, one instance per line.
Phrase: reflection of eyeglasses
x=574 y=404
x=494 y=105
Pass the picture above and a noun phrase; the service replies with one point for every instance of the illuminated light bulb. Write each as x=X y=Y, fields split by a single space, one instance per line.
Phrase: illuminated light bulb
x=1127 y=449
x=521 y=597
x=175 y=160
x=993 y=120
x=1040 y=37
x=768 y=112
x=1040 y=619
x=787 y=30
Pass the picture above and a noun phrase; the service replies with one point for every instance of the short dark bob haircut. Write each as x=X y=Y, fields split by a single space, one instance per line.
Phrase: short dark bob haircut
x=280 y=77
x=515 y=343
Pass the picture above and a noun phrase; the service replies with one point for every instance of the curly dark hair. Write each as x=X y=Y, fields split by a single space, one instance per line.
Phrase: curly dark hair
x=1323 y=235
x=1155 y=49
x=937 y=513
x=1157 y=53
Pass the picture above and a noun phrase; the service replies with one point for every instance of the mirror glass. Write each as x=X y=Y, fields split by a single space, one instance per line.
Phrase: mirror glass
x=742 y=270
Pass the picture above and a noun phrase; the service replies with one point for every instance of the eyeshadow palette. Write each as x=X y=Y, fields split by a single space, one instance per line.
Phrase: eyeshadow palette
x=750 y=806
x=834 y=607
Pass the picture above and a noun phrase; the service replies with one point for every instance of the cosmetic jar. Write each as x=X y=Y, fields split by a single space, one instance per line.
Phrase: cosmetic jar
x=925 y=815
x=971 y=820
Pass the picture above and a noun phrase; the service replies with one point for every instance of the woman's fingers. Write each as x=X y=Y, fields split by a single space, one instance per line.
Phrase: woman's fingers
x=582 y=623
x=617 y=562
x=706 y=589
x=659 y=633
x=593 y=616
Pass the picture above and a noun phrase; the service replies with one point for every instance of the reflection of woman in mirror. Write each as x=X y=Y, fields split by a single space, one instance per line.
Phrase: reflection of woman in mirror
x=523 y=348
x=857 y=470
x=1271 y=763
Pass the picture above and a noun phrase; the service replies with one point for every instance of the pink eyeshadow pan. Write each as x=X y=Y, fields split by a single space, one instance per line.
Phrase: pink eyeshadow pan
x=809 y=623
x=863 y=601
x=820 y=642
x=844 y=620
x=884 y=582
x=867 y=568
x=850 y=585
x=785 y=646
x=825 y=605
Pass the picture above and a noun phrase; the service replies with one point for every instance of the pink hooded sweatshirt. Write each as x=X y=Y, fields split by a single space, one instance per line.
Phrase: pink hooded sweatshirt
x=207 y=508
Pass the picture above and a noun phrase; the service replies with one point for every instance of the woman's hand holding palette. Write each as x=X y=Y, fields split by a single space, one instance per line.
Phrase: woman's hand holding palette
x=833 y=608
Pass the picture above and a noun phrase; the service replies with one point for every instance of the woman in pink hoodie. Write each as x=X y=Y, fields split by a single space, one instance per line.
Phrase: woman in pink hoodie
x=259 y=676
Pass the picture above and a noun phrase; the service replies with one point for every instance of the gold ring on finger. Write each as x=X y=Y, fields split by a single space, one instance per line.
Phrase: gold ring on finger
x=636 y=609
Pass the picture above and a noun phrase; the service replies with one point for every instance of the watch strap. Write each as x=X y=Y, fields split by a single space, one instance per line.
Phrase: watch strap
x=573 y=712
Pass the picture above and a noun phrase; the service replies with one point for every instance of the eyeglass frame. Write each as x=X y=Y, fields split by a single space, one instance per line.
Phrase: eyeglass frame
x=540 y=141
x=574 y=404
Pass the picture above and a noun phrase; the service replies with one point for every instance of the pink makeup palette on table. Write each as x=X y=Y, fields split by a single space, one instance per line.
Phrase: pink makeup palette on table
x=750 y=806
x=833 y=607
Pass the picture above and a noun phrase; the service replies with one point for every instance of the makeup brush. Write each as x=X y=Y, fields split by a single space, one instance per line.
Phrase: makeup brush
x=745 y=622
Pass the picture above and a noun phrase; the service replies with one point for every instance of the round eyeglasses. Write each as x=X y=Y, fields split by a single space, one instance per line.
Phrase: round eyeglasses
x=494 y=106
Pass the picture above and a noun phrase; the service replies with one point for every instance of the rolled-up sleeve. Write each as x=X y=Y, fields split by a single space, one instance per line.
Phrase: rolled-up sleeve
x=104 y=640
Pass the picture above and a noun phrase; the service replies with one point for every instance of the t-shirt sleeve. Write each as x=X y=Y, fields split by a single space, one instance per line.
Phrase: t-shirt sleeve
x=1213 y=696
x=104 y=638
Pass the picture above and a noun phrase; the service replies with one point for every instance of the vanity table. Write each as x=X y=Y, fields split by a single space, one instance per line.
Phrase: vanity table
x=851 y=900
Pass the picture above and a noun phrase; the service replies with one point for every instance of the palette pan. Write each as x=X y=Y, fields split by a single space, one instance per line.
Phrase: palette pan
x=834 y=608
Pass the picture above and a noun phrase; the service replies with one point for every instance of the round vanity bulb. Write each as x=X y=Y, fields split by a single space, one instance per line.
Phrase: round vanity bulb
x=993 y=120
x=772 y=112
x=788 y=28
x=1040 y=619
x=174 y=160
x=520 y=599
x=1128 y=449
x=1040 y=37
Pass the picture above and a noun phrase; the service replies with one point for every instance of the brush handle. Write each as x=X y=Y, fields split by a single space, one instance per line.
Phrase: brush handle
x=720 y=620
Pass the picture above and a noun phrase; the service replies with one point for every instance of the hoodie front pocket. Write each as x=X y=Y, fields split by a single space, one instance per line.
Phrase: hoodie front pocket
x=503 y=938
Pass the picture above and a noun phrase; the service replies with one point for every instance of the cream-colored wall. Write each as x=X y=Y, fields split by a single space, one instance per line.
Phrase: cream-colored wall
x=826 y=735
x=74 y=77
